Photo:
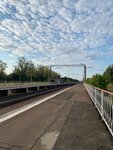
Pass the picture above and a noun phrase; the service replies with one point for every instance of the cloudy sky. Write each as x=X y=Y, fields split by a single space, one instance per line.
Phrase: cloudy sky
x=58 y=32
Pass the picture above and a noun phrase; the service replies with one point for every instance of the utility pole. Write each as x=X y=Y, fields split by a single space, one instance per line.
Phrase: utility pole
x=30 y=75
x=84 y=78
x=84 y=72
x=49 y=75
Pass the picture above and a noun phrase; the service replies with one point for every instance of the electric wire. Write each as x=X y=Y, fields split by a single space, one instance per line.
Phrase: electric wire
x=14 y=19
x=106 y=29
x=92 y=24
x=99 y=20
x=21 y=15
x=22 y=39
x=26 y=23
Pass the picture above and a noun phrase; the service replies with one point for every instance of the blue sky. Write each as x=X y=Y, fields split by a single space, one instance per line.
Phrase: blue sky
x=58 y=32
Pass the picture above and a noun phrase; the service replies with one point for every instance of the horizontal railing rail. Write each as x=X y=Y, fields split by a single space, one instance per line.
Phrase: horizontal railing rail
x=103 y=101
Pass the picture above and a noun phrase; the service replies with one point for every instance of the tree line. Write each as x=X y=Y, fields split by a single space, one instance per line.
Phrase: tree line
x=27 y=71
x=104 y=81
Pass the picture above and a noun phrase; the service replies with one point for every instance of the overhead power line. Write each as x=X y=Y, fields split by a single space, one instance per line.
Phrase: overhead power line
x=21 y=15
x=23 y=40
x=99 y=20
x=23 y=18
x=92 y=25
x=14 y=19
x=106 y=28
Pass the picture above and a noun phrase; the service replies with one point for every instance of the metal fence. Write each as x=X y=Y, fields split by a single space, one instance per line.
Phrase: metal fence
x=103 y=101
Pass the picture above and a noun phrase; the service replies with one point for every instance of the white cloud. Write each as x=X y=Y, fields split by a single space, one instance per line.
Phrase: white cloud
x=81 y=26
x=66 y=14
x=65 y=30
x=57 y=4
x=70 y=3
x=85 y=6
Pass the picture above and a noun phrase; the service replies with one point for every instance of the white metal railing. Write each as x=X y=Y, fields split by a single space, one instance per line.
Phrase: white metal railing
x=103 y=101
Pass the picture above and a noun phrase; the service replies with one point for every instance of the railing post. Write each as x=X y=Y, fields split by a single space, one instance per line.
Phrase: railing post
x=95 y=99
x=102 y=108
x=112 y=116
x=102 y=101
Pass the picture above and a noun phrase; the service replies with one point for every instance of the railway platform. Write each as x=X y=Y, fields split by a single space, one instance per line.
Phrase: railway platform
x=84 y=128
x=67 y=121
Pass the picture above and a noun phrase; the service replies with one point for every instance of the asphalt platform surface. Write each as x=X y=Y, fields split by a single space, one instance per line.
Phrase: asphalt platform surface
x=68 y=121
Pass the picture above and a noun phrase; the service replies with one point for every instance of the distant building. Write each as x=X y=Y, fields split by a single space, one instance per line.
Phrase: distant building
x=58 y=80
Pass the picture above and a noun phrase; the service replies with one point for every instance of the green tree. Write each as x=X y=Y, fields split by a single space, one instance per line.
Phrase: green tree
x=31 y=71
x=3 y=67
x=21 y=70
x=108 y=74
x=98 y=81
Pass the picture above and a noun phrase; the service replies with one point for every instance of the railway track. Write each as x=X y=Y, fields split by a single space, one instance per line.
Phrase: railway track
x=9 y=100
